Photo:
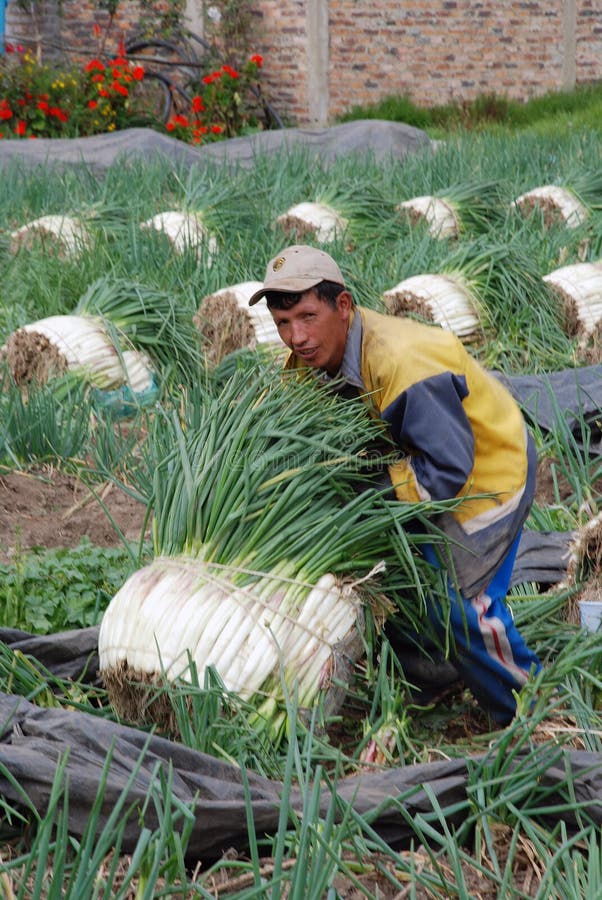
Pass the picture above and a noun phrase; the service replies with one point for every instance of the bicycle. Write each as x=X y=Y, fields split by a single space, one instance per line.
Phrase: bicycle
x=173 y=70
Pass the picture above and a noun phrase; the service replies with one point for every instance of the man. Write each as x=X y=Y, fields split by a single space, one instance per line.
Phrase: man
x=461 y=435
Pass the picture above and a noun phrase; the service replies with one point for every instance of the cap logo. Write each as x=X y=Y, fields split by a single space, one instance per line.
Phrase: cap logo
x=278 y=263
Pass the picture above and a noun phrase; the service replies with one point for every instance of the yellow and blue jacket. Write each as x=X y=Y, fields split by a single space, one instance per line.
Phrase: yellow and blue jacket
x=461 y=434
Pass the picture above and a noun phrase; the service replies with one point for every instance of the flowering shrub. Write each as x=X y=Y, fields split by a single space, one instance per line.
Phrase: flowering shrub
x=39 y=100
x=43 y=101
x=224 y=105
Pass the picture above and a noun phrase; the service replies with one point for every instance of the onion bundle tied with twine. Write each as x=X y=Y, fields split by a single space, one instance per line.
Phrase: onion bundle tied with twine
x=570 y=203
x=452 y=211
x=68 y=234
x=227 y=322
x=120 y=333
x=579 y=288
x=184 y=231
x=268 y=559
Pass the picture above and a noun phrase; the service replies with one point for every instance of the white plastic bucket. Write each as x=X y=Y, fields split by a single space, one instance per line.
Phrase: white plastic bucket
x=591 y=614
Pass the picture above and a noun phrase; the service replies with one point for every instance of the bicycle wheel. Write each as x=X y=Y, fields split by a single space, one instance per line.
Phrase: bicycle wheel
x=151 y=100
x=172 y=60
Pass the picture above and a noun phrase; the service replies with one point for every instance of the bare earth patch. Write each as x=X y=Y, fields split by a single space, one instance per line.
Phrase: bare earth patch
x=49 y=508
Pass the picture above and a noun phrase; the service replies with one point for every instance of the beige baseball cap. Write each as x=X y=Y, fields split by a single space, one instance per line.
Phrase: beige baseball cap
x=298 y=268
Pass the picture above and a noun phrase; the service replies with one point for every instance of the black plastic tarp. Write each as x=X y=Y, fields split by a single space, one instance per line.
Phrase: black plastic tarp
x=112 y=761
x=557 y=401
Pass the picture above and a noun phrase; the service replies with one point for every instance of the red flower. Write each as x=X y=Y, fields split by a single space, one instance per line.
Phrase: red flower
x=120 y=88
x=137 y=73
x=43 y=96
x=216 y=129
x=230 y=71
x=58 y=113
x=209 y=79
x=21 y=101
x=94 y=64
x=102 y=92
x=197 y=104
x=92 y=104
x=20 y=128
x=43 y=105
x=120 y=62
x=257 y=59
x=96 y=79
x=5 y=112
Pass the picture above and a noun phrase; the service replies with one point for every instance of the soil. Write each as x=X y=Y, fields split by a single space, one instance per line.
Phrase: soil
x=49 y=508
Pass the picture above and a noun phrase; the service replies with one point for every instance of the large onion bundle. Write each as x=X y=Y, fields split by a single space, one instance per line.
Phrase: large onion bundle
x=78 y=344
x=557 y=204
x=321 y=221
x=441 y=299
x=579 y=288
x=227 y=322
x=69 y=234
x=184 y=230
x=570 y=203
x=458 y=208
x=484 y=287
x=267 y=556
x=347 y=210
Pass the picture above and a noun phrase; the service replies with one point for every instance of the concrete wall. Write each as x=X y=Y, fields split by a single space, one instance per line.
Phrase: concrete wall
x=321 y=57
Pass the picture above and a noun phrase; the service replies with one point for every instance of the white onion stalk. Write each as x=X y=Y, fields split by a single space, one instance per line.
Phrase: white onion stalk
x=185 y=231
x=558 y=204
x=439 y=299
x=177 y=608
x=440 y=217
x=70 y=234
x=318 y=219
x=138 y=370
x=579 y=287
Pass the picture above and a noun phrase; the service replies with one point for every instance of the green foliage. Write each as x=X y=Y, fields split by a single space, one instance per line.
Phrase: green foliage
x=40 y=100
x=548 y=114
x=46 y=591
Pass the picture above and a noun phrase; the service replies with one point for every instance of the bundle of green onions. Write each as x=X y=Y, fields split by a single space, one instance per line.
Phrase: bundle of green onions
x=579 y=288
x=78 y=344
x=346 y=210
x=227 y=322
x=184 y=230
x=569 y=203
x=68 y=233
x=268 y=557
x=483 y=286
x=451 y=211
x=437 y=298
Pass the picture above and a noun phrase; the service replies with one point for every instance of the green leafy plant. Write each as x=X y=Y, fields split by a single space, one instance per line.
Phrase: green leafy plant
x=50 y=590
x=223 y=105
x=41 y=100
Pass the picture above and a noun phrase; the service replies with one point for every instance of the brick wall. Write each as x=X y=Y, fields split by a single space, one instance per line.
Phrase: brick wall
x=434 y=52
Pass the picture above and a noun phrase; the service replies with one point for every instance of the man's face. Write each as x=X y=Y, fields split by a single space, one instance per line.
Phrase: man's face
x=315 y=331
